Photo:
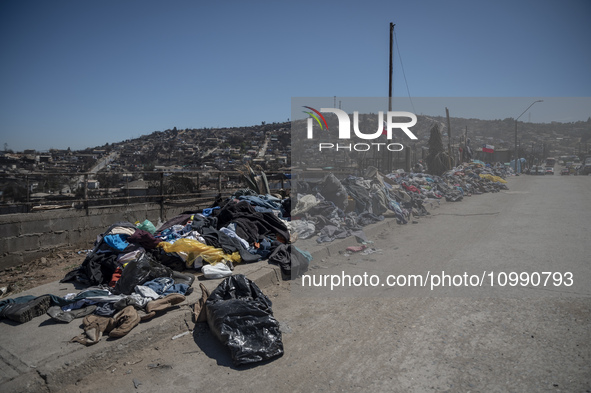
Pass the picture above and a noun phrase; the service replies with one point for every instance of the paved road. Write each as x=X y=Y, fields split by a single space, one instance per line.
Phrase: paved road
x=517 y=339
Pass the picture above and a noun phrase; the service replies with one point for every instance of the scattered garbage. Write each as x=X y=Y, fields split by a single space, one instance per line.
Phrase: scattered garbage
x=356 y=248
x=180 y=335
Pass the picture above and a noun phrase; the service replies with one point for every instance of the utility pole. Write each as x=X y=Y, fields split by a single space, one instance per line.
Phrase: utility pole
x=391 y=67
x=516 y=153
x=448 y=137
x=387 y=153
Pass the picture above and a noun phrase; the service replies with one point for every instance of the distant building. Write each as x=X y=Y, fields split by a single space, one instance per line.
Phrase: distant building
x=43 y=158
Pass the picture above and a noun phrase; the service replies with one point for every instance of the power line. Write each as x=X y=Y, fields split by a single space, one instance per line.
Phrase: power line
x=403 y=73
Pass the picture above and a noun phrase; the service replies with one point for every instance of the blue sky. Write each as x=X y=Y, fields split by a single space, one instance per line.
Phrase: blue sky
x=82 y=73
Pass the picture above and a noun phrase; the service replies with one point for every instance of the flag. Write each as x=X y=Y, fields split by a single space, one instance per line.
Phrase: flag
x=488 y=148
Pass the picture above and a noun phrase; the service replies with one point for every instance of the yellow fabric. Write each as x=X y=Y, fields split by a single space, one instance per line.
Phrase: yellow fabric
x=493 y=178
x=194 y=249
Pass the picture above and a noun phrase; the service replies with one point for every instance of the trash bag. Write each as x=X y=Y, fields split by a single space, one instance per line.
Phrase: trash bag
x=240 y=316
x=292 y=261
x=333 y=190
x=147 y=226
x=138 y=272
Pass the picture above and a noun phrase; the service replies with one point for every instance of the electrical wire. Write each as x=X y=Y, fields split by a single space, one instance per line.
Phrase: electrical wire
x=403 y=73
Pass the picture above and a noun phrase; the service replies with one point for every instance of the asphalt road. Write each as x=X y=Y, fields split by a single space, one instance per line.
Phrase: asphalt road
x=531 y=337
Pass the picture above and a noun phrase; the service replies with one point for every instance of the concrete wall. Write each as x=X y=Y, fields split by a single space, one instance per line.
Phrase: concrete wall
x=24 y=237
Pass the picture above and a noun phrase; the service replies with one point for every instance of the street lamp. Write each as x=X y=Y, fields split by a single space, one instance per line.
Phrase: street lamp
x=516 y=157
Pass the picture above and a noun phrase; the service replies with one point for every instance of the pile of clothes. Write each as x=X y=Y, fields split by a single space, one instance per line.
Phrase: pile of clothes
x=136 y=272
x=136 y=264
x=335 y=209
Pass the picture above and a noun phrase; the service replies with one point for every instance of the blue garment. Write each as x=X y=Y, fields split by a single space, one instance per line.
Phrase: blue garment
x=169 y=235
x=56 y=300
x=207 y=212
x=118 y=241
x=264 y=249
x=267 y=201
x=105 y=309
x=261 y=209
x=165 y=286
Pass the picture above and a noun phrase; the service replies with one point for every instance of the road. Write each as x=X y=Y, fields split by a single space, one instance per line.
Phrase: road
x=103 y=162
x=262 y=151
x=100 y=164
x=531 y=338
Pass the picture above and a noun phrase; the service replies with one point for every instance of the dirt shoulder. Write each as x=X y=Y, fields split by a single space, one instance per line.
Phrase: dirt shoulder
x=52 y=267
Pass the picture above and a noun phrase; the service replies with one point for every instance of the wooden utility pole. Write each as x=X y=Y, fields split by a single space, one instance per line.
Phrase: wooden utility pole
x=387 y=153
x=391 y=67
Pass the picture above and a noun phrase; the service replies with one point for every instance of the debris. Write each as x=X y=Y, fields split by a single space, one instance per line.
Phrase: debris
x=132 y=363
x=159 y=365
x=371 y=251
x=356 y=248
x=180 y=335
x=136 y=383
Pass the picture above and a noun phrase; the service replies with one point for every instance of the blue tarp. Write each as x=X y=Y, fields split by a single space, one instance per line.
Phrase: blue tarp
x=520 y=163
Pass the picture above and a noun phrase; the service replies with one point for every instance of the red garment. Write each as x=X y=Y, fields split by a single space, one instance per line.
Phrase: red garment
x=116 y=276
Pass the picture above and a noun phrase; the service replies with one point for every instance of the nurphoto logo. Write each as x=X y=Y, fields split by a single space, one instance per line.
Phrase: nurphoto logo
x=385 y=127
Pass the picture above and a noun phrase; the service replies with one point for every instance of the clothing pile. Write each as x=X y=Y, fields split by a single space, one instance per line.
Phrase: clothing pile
x=105 y=311
x=336 y=209
x=333 y=209
x=135 y=272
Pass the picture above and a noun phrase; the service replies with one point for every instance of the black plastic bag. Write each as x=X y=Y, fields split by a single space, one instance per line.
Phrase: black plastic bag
x=291 y=261
x=139 y=272
x=240 y=316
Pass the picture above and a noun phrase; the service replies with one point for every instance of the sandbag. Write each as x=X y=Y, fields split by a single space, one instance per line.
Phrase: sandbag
x=240 y=316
